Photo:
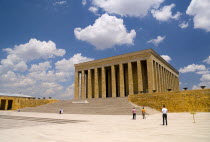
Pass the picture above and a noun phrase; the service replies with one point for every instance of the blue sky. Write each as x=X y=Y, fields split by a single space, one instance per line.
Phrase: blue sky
x=40 y=40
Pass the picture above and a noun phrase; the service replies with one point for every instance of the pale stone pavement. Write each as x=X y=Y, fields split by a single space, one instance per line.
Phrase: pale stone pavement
x=49 y=127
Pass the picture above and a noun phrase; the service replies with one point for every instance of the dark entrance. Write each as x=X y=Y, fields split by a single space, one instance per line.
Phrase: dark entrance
x=3 y=103
x=9 y=104
x=108 y=82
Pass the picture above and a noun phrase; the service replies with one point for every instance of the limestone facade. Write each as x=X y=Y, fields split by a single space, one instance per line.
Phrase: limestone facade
x=119 y=76
x=14 y=103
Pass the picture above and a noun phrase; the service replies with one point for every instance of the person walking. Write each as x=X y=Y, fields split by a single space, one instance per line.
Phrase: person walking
x=164 y=111
x=61 y=111
x=134 y=113
x=143 y=111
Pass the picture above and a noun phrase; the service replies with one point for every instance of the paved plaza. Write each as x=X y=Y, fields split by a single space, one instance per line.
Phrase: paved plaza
x=49 y=127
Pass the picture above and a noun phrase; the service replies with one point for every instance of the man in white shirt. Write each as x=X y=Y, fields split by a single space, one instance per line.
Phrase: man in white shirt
x=164 y=111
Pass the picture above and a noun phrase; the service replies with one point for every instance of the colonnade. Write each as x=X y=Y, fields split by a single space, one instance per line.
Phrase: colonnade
x=164 y=79
x=123 y=79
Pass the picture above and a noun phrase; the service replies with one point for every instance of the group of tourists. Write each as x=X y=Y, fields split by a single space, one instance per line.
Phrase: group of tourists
x=143 y=112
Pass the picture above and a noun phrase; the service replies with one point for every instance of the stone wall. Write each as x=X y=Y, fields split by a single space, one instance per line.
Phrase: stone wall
x=21 y=102
x=176 y=101
x=35 y=103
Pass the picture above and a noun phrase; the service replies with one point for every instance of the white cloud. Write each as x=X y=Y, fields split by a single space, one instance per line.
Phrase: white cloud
x=157 y=41
x=21 y=66
x=192 y=68
x=207 y=84
x=205 y=78
x=60 y=2
x=50 y=76
x=68 y=65
x=200 y=9
x=69 y=92
x=93 y=10
x=35 y=49
x=40 y=67
x=106 y=32
x=20 y=55
x=203 y=72
x=165 y=13
x=166 y=57
x=207 y=60
x=195 y=87
x=184 y=25
x=133 y=8
x=39 y=81
x=84 y=2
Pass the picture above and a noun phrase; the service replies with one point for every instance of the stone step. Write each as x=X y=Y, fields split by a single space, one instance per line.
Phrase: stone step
x=107 y=106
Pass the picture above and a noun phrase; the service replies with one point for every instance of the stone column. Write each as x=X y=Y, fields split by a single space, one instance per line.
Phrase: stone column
x=113 y=81
x=103 y=82
x=130 y=78
x=6 y=104
x=89 y=84
x=178 y=83
x=122 y=85
x=150 y=74
x=157 y=77
x=76 y=85
x=161 y=78
x=96 y=83
x=83 y=85
x=167 y=80
x=139 y=75
x=172 y=82
x=164 y=80
x=170 y=86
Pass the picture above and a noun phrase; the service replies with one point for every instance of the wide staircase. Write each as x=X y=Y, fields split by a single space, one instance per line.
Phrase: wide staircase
x=106 y=106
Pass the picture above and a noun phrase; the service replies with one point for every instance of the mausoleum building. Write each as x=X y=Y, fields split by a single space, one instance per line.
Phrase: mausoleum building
x=119 y=76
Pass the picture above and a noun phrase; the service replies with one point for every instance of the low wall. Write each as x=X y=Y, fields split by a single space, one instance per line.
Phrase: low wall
x=21 y=102
x=35 y=103
x=176 y=101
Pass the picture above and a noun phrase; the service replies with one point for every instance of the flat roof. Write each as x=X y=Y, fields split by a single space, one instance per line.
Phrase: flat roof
x=130 y=54
x=15 y=95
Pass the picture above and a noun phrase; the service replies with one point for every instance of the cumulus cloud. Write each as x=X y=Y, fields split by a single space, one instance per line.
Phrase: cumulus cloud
x=84 y=2
x=21 y=66
x=205 y=78
x=203 y=72
x=68 y=65
x=200 y=10
x=133 y=8
x=69 y=92
x=45 y=79
x=166 y=57
x=35 y=49
x=106 y=32
x=157 y=41
x=192 y=68
x=40 y=67
x=207 y=60
x=165 y=13
x=184 y=25
x=42 y=82
x=205 y=83
x=93 y=10
x=20 y=55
